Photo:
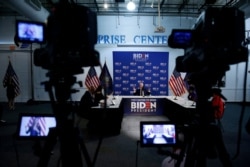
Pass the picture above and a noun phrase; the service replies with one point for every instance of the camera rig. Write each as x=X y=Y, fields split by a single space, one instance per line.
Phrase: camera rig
x=71 y=33
x=214 y=43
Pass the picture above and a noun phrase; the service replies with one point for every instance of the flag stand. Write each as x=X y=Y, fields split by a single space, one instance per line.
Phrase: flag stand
x=31 y=101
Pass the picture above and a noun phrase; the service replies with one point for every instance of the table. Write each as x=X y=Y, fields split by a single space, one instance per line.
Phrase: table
x=106 y=120
x=179 y=109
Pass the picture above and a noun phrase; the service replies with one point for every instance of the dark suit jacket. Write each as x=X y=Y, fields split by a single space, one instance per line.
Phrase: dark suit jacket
x=138 y=92
x=86 y=103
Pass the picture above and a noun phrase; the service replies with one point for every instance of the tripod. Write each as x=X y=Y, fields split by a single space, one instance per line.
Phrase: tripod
x=71 y=143
x=199 y=143
x=202 y=137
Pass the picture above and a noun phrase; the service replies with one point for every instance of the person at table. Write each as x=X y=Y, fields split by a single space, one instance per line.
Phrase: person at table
x=192 y=93
x=87 y=101
x=141 y=91
x=98 y=95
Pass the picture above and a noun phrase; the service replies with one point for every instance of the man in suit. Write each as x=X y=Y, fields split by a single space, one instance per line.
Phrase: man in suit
x=141 y=91
x=87 y=101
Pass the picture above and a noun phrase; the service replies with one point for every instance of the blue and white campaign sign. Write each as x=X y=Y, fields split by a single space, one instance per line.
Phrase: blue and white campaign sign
x=130 y=68
x=144 y=106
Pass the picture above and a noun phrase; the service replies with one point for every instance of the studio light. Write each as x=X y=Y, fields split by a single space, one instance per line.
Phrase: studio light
x=131 y=6
x=105 y=5
x=152 y=5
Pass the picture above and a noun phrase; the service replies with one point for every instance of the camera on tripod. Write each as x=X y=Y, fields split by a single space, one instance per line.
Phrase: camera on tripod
x=67 y=40
x=71 y=34
x=67 y=45
x=215 y=40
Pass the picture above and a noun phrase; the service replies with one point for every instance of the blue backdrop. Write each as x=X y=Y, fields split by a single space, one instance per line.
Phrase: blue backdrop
x=133 y=67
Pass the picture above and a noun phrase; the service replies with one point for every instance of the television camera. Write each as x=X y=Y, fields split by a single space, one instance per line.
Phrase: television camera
x=71 y=34
x=67 y=46
x=216 y=41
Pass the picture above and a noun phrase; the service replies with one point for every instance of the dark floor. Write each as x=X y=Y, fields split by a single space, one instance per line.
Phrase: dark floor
x=117 y=150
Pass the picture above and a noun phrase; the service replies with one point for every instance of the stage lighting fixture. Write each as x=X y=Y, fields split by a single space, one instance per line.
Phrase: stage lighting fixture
x=131 y=6
x=105 y=5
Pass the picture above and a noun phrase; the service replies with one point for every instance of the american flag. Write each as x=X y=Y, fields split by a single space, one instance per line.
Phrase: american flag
x=92 y=78
x=11 y=75
x=106 y=79
x=177 y=84
x=41 y=122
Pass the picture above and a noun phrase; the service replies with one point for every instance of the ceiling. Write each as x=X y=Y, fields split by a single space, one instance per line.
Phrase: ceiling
x=143 y=7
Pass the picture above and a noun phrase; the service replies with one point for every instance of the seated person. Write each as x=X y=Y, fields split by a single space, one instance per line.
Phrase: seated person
x=87 y=101
x=141 y=91
x=192 y=93
x=98 y=95
x=91 y=97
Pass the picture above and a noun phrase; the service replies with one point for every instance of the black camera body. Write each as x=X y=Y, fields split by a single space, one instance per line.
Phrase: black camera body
x=71 y=34
x=216 y=40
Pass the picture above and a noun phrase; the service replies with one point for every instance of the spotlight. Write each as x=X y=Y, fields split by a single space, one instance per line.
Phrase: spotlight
x=105 y=5
x=152 y=5
x=131 y=6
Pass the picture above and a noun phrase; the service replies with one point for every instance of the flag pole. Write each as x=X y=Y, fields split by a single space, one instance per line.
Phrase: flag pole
x=105 y=87
x=32 y=77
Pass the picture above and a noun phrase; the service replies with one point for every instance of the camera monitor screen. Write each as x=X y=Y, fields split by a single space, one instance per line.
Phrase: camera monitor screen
x=181 y=38
x=154 y=134
x=35 y=126
x=30 y=31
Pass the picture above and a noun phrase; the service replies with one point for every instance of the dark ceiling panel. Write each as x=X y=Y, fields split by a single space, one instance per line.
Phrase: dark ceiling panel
x=119 y=0
x=143 y=7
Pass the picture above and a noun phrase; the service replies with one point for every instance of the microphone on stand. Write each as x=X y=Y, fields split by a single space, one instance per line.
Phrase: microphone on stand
x=193 y=103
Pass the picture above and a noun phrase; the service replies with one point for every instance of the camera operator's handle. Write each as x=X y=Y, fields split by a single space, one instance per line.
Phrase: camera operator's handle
x=177 y=154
